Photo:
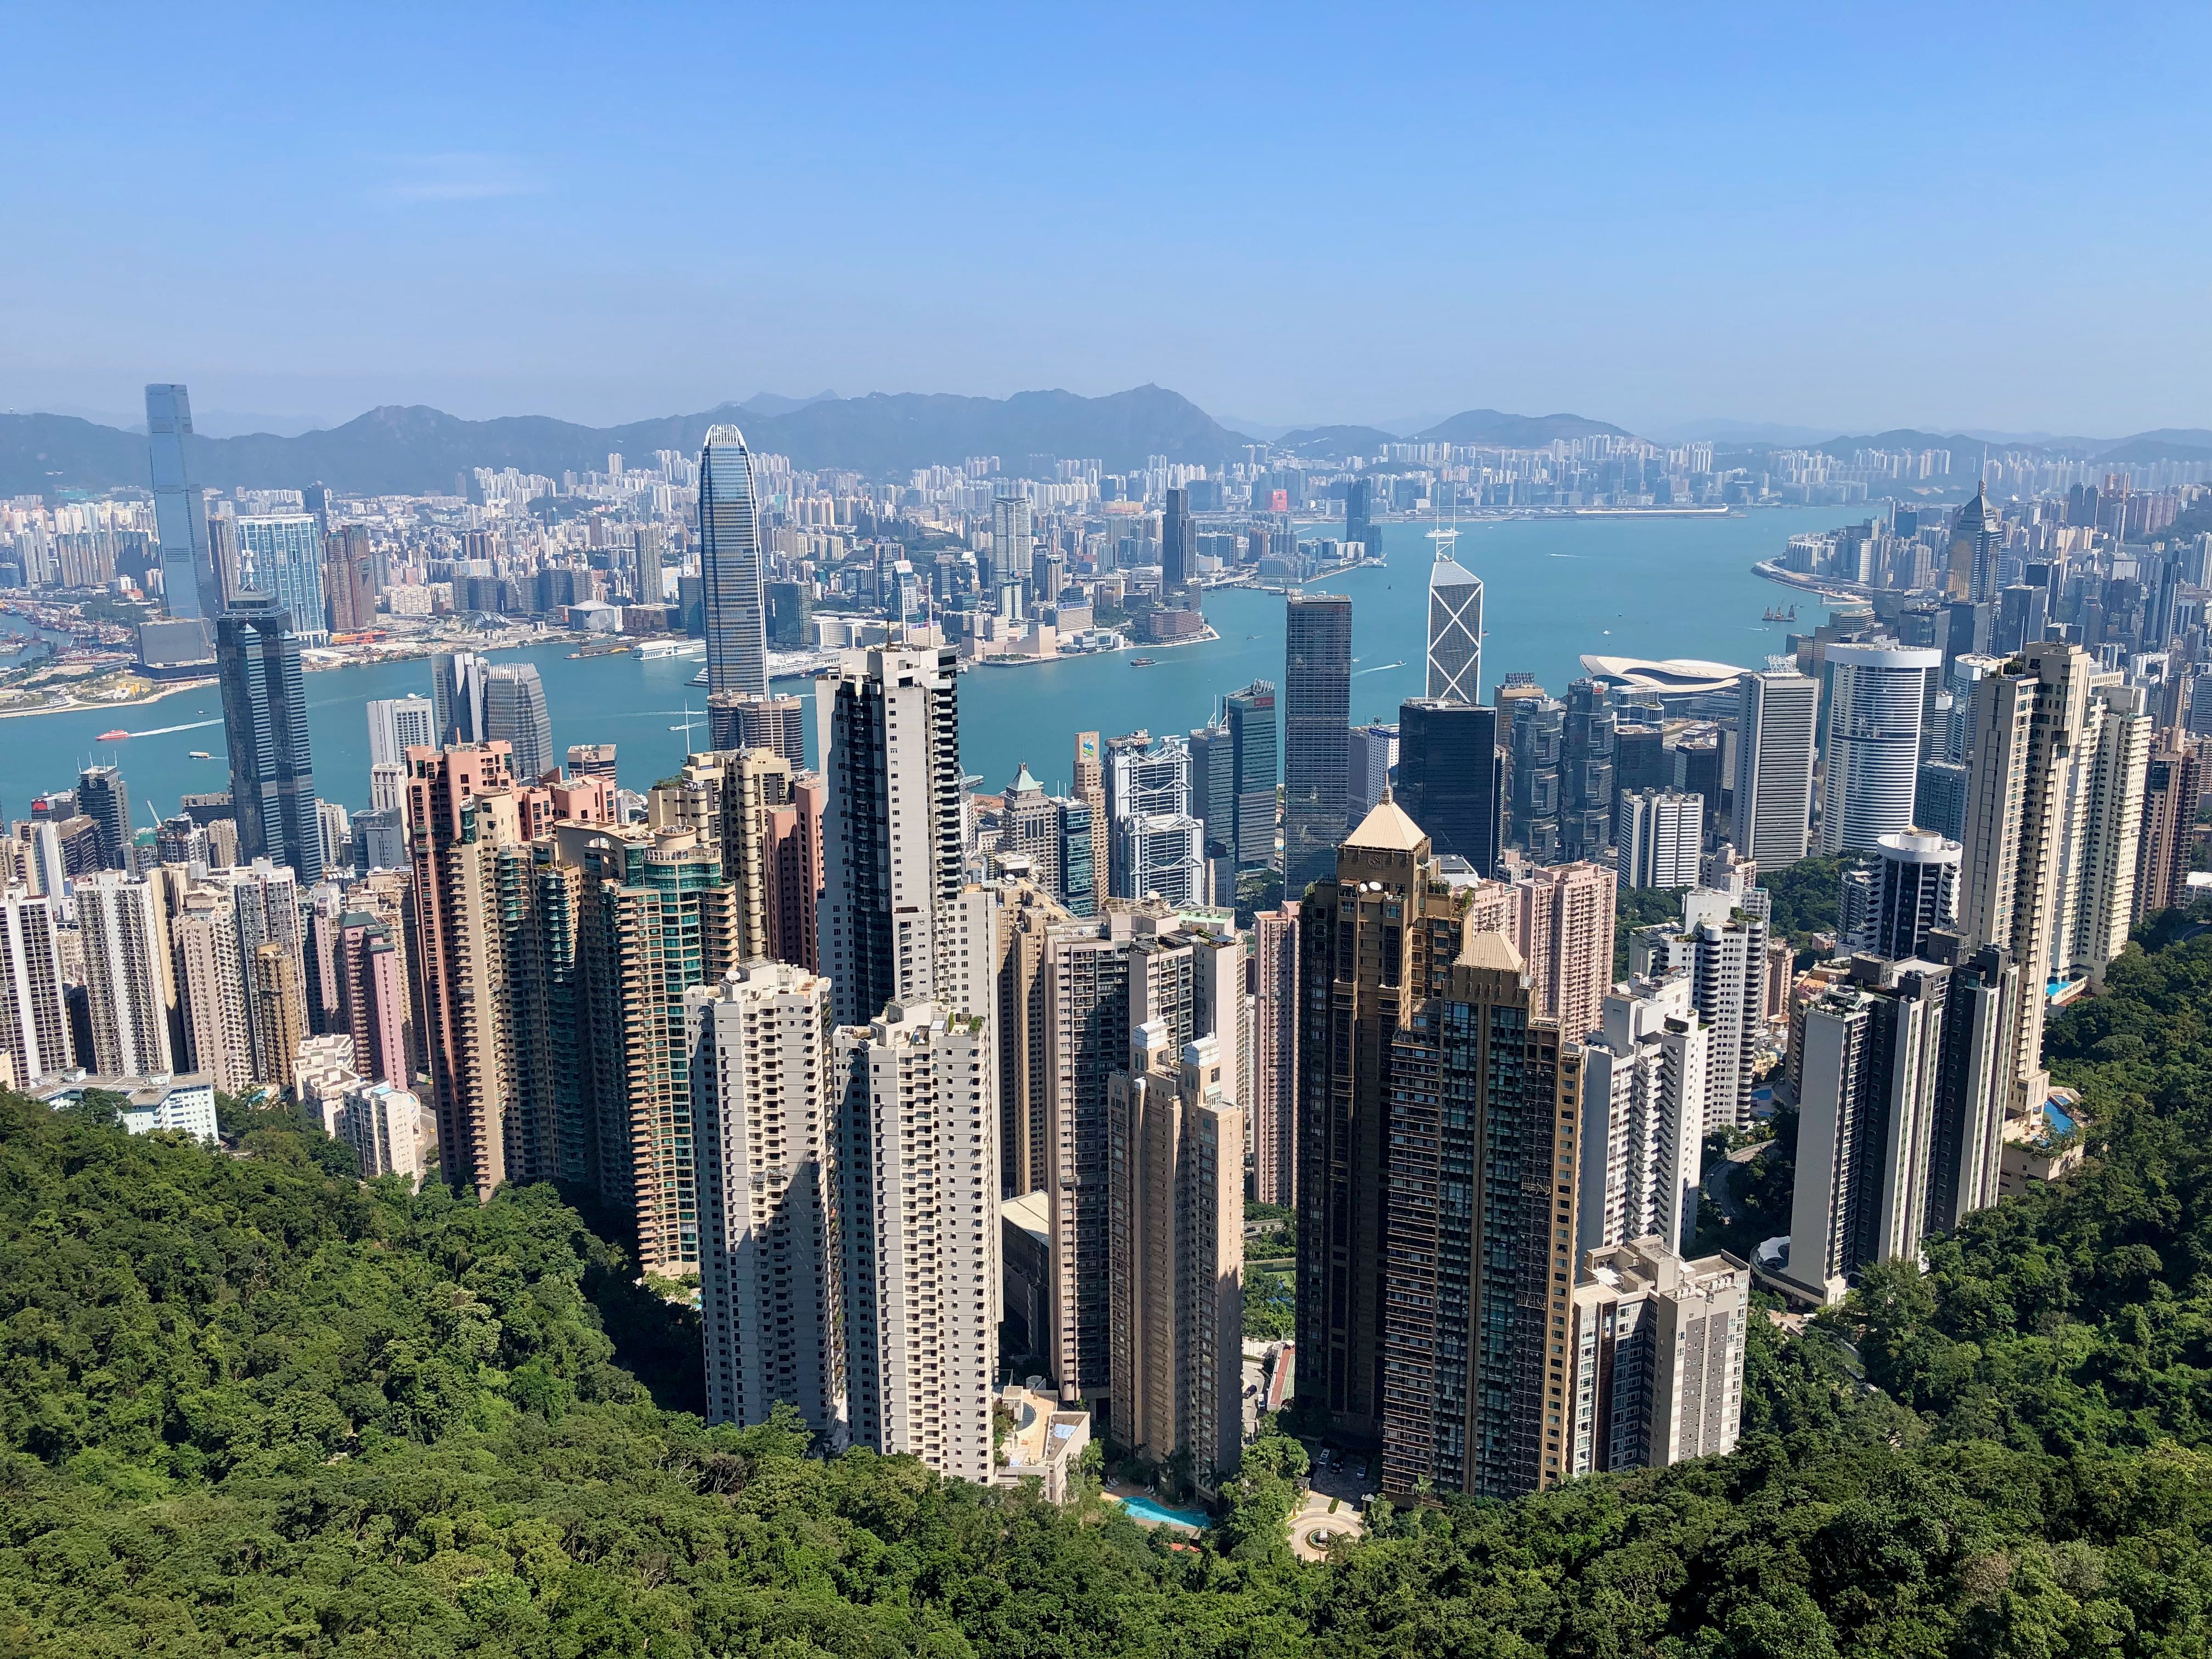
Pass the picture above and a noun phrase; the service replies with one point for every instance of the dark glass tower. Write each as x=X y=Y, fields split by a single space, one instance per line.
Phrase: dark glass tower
x=265 y=717
x=1316 y=732
x=1359 y=514
x=1178 y=555
x=1586 y=773
x=189 y=586
x=514 y=713
x=102 y=796
x=1450 y=780
x=730 y=565
x=1258 y=766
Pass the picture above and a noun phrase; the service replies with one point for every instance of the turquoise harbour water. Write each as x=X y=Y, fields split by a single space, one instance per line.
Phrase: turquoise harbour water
x=1554 y=589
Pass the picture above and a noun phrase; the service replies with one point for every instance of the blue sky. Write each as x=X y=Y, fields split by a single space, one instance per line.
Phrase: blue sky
x=1841 y=217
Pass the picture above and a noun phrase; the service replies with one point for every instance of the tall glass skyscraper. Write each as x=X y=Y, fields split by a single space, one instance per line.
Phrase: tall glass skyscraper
x=265 y=717
x=514 y=713
x=282 y=555
x=188 y=579
x=1252 y=736
x=1455 y=629
x=730 y=567
x=1316 y=732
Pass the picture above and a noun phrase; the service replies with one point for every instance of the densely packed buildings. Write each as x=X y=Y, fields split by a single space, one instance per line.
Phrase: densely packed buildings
x=822 y=1037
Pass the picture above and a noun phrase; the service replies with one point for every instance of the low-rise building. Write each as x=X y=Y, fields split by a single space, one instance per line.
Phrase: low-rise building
x=170 y=1101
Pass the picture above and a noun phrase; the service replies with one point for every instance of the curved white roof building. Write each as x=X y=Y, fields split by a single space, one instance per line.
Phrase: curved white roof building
x=1679 y=675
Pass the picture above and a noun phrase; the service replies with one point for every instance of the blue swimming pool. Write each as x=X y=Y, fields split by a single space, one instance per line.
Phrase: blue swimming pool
x=1141 y=1508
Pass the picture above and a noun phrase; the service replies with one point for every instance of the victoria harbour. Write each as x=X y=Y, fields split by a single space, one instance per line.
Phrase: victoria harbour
x=1556 y=588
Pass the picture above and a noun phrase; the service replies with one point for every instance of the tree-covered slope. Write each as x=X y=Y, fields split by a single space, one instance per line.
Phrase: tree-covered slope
x=249 y=1405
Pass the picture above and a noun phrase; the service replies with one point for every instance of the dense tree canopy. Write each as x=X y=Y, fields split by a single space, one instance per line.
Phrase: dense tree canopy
x=248 y=1404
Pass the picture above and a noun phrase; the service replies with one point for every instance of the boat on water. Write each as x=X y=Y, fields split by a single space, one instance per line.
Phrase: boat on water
x=657 y=650
x=199 y=754
x=111 y=736
x=1140 y=662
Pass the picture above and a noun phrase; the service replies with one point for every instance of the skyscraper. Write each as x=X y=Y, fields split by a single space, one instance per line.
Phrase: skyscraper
x=1272 y=1096
x=770 y=1258
x=2104 y=824
x=1538 y=732
x=893 y=844
x=1086 y=1026
x=1455 y=629
x=1877 y=696
x=127 y=974
x=730 y=565
x=1481 y=1097
x=190 y=586
x=347 y=579
x=1178 y=551
x=2027 y=724
x=1158 y=847
x=102 y=796
x=264 y=716
x=1867 y=1102
x=1658 y=1357
x=1976 y=537
x=1316 y=727
x=514 y=715
x=1013 y=543
x=1369 y=941
x=281 y=555
x=1646 y=1074
x=1916 y=883
x=1359 y=514
x=1176 y=1209
x=655 y=917
x=2173 y=782
x=736 y=720
x=1451 y=778
x=1586 y=773
x=918 y=1158
x=456 y=696
x=1561 y=919
x=1658 y=836
x=396 y=725
x=1090 y=789
x=1370 y=754
x=34 y=1023
x=1775 y=722
x=461 y=811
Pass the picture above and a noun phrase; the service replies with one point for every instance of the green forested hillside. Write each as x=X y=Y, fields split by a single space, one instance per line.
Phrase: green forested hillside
x=248 y=1406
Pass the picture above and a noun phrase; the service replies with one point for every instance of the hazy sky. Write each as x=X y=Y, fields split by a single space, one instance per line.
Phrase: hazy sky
x=1848 y=217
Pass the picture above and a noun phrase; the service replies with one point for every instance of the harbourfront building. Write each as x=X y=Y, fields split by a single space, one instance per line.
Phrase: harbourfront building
x=730 y=565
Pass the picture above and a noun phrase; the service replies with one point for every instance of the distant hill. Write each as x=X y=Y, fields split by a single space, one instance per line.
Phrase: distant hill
x=2168 y=444
x=1491 y=426
x=415 y=450
x=1333 y=440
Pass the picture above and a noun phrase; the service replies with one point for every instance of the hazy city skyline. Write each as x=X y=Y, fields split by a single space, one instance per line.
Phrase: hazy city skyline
x=528 y=218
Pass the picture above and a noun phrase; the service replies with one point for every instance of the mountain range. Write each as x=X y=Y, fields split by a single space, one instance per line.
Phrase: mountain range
x=413 y=449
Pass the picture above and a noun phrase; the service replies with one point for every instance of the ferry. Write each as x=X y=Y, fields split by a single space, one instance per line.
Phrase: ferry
x=657 y=650
x=111 y=736
x=1140 y=662
x=199 y=754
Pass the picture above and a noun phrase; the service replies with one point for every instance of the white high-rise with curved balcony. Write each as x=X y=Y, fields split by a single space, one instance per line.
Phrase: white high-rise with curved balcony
x=730 y=565
x=1877 y=695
